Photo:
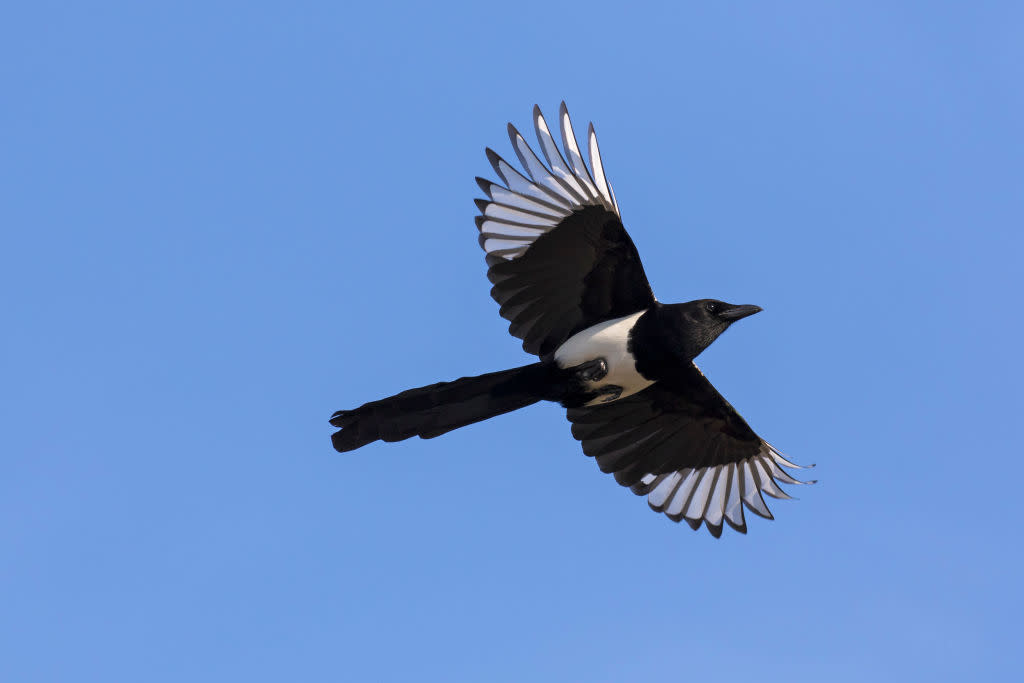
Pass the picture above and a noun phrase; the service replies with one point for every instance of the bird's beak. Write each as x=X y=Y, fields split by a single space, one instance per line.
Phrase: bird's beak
x=734 y=313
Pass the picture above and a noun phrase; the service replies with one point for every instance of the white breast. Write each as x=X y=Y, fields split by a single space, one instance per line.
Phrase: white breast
x=606 y=340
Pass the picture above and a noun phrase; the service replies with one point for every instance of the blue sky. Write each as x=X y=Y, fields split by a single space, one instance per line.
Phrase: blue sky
x=224 y=221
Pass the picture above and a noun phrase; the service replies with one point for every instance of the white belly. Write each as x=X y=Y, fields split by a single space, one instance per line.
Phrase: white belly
x=606 y=340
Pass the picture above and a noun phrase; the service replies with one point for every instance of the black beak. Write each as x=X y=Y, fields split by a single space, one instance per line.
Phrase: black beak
x=734 y=313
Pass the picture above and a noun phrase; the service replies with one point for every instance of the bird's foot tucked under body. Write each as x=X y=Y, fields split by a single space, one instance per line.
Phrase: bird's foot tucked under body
x=592 y=371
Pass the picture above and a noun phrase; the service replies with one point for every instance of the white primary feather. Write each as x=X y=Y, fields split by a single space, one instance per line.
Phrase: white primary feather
x=683 y=493
x=598 y=167
x=664 y=490
x=699 y=501
x=716 y=503
x=734 y=501
x=572 y=151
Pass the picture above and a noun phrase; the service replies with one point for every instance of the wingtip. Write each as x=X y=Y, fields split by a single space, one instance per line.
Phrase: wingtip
x=767 y=514
x=496 y=161
x=485 y=185
x=641 y=489
x=656 y=508
x=741 y=528
x=779 y=457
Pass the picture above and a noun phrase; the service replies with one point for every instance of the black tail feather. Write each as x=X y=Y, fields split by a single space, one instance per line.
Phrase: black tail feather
x=439 y=408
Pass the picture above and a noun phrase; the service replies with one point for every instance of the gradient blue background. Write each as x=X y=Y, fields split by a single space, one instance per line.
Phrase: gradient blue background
x=224 y=221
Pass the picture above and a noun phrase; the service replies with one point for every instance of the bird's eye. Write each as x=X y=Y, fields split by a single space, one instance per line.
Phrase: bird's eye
x=710 y=307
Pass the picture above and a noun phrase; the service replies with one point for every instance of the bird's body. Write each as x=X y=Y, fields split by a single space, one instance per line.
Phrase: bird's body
x=569 y=280
x=607 y=341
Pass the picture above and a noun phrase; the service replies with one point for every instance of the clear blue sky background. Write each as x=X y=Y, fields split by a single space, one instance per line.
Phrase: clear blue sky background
x=224 y=221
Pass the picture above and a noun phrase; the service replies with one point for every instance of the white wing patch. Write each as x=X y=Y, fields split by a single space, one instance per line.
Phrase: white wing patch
x=532 y=204
x=713 y=495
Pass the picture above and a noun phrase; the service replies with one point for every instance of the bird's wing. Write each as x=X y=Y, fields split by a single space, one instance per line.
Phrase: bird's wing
x=558 y=256
x=681 y=444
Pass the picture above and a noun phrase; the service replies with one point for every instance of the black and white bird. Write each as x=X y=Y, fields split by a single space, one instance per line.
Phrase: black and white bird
x=570 y=282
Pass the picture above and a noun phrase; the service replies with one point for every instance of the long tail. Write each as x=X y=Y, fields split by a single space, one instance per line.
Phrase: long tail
x=439 y=408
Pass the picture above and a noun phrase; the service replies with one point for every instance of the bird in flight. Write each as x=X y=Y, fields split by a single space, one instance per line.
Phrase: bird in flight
x=569 y=280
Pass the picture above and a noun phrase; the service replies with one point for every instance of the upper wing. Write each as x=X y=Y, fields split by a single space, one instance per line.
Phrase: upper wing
x=557 y=253
x=681 y=444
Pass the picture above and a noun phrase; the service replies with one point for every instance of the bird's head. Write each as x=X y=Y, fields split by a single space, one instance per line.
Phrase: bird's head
x=700 y=322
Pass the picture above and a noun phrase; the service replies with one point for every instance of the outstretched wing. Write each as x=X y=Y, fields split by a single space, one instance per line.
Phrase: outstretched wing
x=558 y=256
x=681 y=444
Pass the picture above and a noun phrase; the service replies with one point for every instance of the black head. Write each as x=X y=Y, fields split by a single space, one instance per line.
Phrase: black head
x=701 y=321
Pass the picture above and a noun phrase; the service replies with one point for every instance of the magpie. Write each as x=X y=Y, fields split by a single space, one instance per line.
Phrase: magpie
x=569 y=280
